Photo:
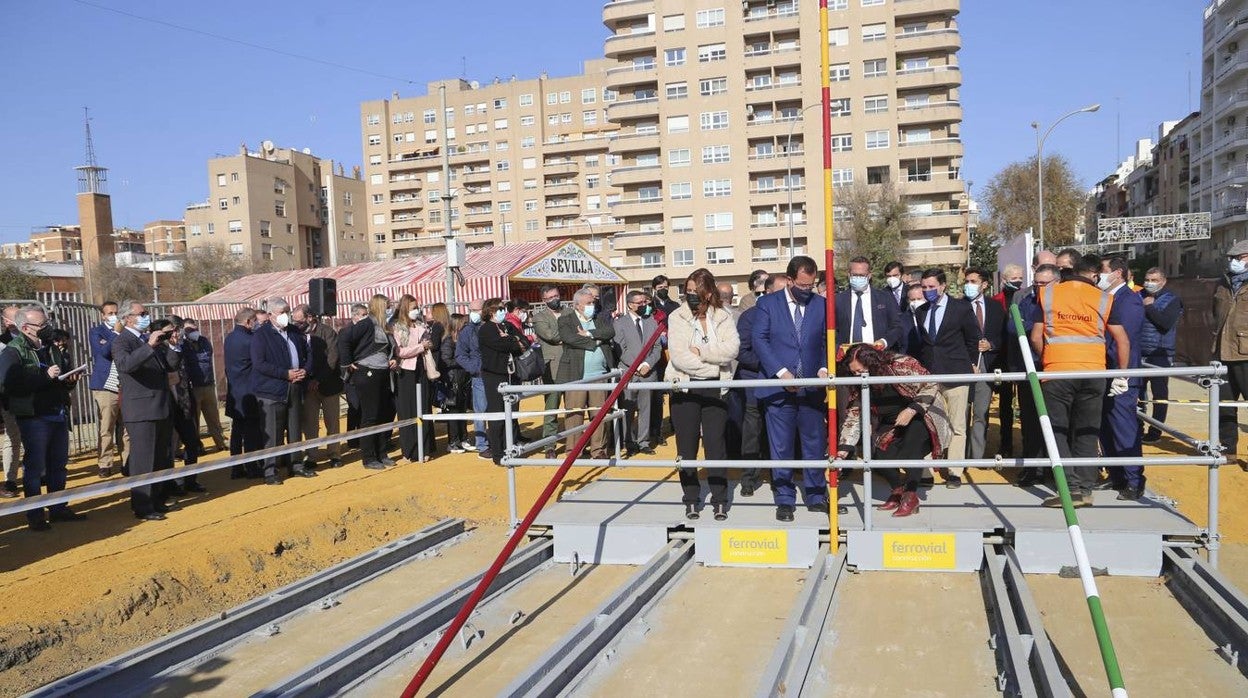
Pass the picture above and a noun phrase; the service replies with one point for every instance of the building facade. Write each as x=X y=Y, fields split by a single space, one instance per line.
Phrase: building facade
x=165 y=237
x=280 y=206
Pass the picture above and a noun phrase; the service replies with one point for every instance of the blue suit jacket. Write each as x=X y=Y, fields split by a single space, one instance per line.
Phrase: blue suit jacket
x=775 y=340
x=748 y=366
x=1129 y=309
x=885 y=318
x=101 y=340
x=270 y=361
x=240 y=400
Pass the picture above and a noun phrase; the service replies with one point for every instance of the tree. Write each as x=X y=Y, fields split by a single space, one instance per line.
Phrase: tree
x=1009 y=205
x=878 y=220
x=17 y=281
x=984 y=250
x=204 y=270
x=117 y=284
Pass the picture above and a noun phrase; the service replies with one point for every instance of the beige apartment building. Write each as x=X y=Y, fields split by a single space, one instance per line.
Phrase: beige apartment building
x=165 y=237
x=529 y=161
x=686 y=146
x=63 y=243
x=282 y=206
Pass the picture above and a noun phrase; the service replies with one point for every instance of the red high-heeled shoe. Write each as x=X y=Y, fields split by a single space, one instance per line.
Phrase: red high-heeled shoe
x=893 y=501
x=909 y=504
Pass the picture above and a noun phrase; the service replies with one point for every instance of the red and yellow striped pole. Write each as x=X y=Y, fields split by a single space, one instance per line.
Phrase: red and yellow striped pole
x=829 y=260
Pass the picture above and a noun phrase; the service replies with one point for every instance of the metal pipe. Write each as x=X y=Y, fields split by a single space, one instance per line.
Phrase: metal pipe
x=560 y=436
x=509 y=438
x=860 y=465
x=1215 y=448
x=1162 y=426
x=865 y=419
x=420 y=423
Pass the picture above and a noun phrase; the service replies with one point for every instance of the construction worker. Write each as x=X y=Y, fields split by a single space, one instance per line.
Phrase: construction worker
x=1076 y=316
x=1121 y=432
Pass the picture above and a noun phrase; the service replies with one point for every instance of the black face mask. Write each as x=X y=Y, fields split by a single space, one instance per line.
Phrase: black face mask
x=555 y=305
x=1013 y=285
x=662 y=293
x=802 y=295
x=45 y=335
x=694 y=301
x=645 y=311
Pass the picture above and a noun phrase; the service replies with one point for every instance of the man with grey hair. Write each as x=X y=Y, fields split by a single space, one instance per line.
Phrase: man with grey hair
x=280 y=366
x=632 y=330
x=586 y=354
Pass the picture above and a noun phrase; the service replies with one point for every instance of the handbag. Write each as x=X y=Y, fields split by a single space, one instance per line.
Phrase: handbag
x=529 y=365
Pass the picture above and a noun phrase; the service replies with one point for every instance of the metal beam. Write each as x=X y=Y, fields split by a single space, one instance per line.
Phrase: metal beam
x=1215 y=604
x=795 y=655
x=1025 y=656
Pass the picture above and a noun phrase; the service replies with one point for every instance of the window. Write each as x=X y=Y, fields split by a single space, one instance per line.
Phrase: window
x=530 y=226
x=678 y=124
x=373 y=139
x=682 y=224
x=379 y=198
x=842 y=143
x=874 y=68
x=877 y=140
x=878 y=175
x=873 y=32
x=717 y=221
x=591 y=160
x=673 y=23
x=374 y=179
x=682 y=258
x=719 y=255
x=677 y=90
x=917 y=135
x=872 y=3
x=504 y=207
x=502 y=145
x=591 y=182
x=346 y=198
x=834 y=5
x=916 y=101
x=223 y=204
x=609 y=95
x=651 y=259
x=397 y=138
x=838 y=72
x=528 y=164
x=678 y=157
x=530 y=204
x=839 y=107
x=714 y=120
x=649 y=194
x=712 y=52
x=712 y=188
x=712 y=86
x=680 y=190
x=235 y=226
x=842 y=177
x=374 y=119
x=589 y=117
x=648 y=159
x=500 y=124
x=430 y=116
x=915 y=64
x=565 y=118
x=434 y=195
x=527 y=120
x=838 y=37
x=876 y=104
x=236 y=248
x=503 y=165
x=507 y=228
x=589 y=95
x=435 y=215
x=565 y=97
x=502 y=186
x=195 y=230
x=714 y=153
x=500 y=102
x=552 y=98
x=211 y=228
x=528 y=142
x=221 y=180
x=266 y=229
x=674 y=56
x=374 y=159
x=710 y=18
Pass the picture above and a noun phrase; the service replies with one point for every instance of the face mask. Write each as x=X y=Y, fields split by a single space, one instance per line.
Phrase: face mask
x=759 y=294
x=694 y=300
x=413 y=314
x=1103 y=281
x=522 y=316
x=915 y=305
x=589 y=311
x=645 y=311
x=474 y=316
x=193 y=335
x=932 y=295
x=499 y=316
x=45 y=335
x=893 y=281
x=555 y=305
x=1152 y=286
x=1238 y=266
x=1013 y=285
x=858 y=283
x=143 y=323
x=111 y=321
x=971 y=291
x=281 y=320
x=662 y=293
x=802 y=295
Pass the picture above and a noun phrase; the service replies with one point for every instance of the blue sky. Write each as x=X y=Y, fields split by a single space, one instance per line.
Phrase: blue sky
x=163 y=100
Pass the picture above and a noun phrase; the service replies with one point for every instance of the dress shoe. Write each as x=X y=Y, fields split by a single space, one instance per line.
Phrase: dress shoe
x=1131 y=494
x=150 y=516
x=909 y=504
x=196 y=488
x=1079 y=500
x=309 y=464
x=106 y=473
x=386 y=460
x=748 y=490
x=691 y=512
x=374 y=465
x=1151 y=437
x=303 y=472
x=893 y=501
x=39 y=526
x=166 y=507
x=335 y=462
x=5 y=494
x=272 y=480
x=66 y=515
x=10 y=486
x=721 y=511
x=552 y=453
x=599 y=455
x=818 y=508
x=953 y=482
x=485 y=455
x=1029 y=477
x=784 y=513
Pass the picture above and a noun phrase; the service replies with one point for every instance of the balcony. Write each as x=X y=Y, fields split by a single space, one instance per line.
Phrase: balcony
x=1232 y=27
x=475 y=174
x=928 y=40
x=789 y=89
x=773 y=16
x=410 y=200
x=409 y=181
x=931 y=76
x=1232 y=101
x=628 y=43
x=777 y=194
x=1233 y=138
x=634 y=239
x=1234 y=172
x=636 y=174
x=934 y=183
x=631 y=74
x=779 y=223
x=796 y=155
x=1231 y=210
x=633 y=108
x=932 y=112
x=932 y=148
x=416 y=156
x=1230 y=67
x=561 y=164
x=628 y=207
x=637 y=141
x=772 y=55
x=563 y=207
x=616 y=11
x=565 y=145
x=563 y=187
x=915 y=8
x=408 y=219
x=934 y=256
x=935 y=220
x=782 y=126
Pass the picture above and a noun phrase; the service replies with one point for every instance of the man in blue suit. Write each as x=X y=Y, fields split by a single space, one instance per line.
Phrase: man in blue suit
x=867 y=314
x=1121 y=434
x=112 y=440
x=280 y=363
x=788 y=335
x=240 y=402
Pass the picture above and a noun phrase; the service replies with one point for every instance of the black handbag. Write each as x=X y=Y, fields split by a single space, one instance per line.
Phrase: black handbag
x=529 y=365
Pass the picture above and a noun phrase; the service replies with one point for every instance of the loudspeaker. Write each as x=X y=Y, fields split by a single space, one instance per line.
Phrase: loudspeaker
x=609 y=301
x=323 y=296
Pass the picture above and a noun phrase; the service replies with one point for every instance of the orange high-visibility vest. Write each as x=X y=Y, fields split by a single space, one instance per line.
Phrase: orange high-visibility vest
x=1075 y=316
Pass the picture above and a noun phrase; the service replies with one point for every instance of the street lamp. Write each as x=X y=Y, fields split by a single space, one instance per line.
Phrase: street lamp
x=1040 y=161
x=593 y=240
x=788 y=181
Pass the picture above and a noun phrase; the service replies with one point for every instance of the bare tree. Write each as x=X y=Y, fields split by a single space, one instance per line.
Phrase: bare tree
x=1010 y=202
x=17 y=281
x=204 y=270
x=877 y=222
x=111 y=281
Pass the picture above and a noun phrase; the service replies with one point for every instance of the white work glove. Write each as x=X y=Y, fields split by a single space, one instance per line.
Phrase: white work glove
x=1117 y=387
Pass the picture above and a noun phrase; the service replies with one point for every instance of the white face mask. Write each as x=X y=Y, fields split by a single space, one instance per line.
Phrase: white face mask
x=1152 y=286
x=1103 y=281
x=193 y=335
x=413 y=314
x=915 y=305
x=971 y=291
x=858 y=283
x=111 y=320
x=281 y=320
x=523 y=316
x=893 y=282
x=1237 y=266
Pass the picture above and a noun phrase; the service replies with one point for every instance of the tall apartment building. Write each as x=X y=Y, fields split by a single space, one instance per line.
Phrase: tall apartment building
x=528 y=161
x=281 y=205
x=719 y=101
x=165 y=237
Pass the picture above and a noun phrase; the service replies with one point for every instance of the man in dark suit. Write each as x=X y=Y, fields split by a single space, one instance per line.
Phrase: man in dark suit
x=950 y=346
x=632 y=330
x=754 y=445
x=865 y=314
x=893 y=273
x=990 y=319
x=790 y=339
x=144 y=362
x=280 y=363
x=912 y=343
x=246 y=434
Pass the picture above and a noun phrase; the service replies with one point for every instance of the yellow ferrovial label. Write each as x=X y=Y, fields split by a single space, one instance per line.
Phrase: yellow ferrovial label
x=748 y=547
x=924 y=551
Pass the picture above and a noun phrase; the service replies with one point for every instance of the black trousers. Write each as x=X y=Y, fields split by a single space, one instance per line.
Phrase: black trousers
x=188 y=432
x=1074 y=407
x=376 y=407
x=407 y=406
x=701 y=414
x=1158 y=388
x=1005 y=413
x=912 y=442
x=1235 y=388
x=494 y=429
x=149 y=452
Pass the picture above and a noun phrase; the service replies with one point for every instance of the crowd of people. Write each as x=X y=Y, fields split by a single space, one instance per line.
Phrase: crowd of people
x=288 y=371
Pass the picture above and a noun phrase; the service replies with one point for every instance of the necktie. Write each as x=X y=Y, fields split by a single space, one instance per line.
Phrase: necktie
x=798 y=316
x=858 y=322
x=979 y=315
x=931 y=321
x=639 y=332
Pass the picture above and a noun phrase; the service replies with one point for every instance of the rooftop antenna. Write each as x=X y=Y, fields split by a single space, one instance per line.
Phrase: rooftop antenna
x=91 y=177
x=463 y=67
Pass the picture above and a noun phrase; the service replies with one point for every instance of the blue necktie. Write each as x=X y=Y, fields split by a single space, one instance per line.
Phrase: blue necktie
x=858 y=322
x=798 y=317
x=931 y=322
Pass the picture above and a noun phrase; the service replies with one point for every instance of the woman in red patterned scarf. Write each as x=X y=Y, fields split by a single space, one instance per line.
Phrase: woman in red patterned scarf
x=908 y=421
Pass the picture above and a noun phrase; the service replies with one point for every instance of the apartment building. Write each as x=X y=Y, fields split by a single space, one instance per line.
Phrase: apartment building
x=529 y=161
x=165 y=237
x=63 y=243
x=717 y=103
x=282 y=206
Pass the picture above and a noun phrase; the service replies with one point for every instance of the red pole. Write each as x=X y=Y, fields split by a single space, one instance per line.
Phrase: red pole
x=444 y=642
x=829 y=240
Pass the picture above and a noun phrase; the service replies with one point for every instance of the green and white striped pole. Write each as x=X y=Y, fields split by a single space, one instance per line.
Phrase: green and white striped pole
x=1108 y=657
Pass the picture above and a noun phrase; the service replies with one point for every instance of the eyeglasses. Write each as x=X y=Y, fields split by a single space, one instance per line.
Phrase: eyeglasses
x=37 y=327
